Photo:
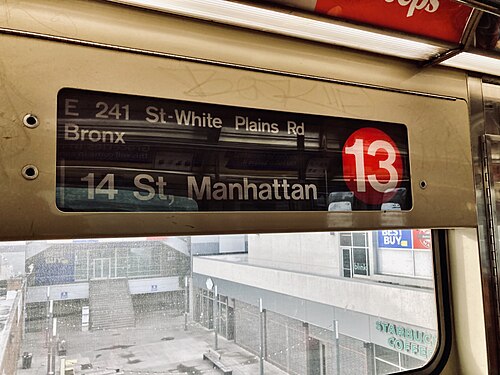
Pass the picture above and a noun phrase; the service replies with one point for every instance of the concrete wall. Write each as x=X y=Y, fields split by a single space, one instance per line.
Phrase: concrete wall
x=394 y=302
x=218 y=244
x=306 y=252
x=319 y=253
x=11 y=334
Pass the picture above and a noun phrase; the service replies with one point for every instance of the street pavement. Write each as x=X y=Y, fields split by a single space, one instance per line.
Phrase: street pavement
x=158 y=345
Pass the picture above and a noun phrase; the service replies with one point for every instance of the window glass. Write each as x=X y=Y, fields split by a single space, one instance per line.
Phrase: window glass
x=291 y=302
x=346 y=262
x=405 y=253
x=423 y=264
x=345 y=239
x=385 y=368
x=410 y=362
x=389 y=361
x=386 y=355
x=491 y=95
x=355 y=258
x=359 y=239
x=360 y=261
x=395 y=262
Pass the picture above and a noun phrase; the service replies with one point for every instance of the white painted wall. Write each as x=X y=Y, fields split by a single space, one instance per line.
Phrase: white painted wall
x=7 y=307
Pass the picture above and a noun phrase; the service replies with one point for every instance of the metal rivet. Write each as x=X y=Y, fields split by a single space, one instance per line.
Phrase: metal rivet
x=30 y=121
x=423 y=184
x=29 y=172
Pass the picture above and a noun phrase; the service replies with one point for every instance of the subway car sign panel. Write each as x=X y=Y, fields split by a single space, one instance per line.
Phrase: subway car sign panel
x=120 y=152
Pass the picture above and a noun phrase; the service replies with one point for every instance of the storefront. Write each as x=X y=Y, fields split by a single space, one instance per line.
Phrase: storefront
x=207 y=314
x=355 y=248
x=405 y=253
x=351 y=341
x=398 y=347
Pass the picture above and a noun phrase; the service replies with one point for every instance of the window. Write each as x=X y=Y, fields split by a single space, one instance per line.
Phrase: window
x=265 y=303
x=355 y=250
x=81 y=267
x=389 y=361
x=404 y=253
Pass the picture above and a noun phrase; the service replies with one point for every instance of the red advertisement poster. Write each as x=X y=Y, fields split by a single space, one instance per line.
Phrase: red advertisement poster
x=422 y=239
x=439 y=19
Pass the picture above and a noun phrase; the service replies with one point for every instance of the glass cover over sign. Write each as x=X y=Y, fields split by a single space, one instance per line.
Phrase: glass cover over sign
x=129 y=153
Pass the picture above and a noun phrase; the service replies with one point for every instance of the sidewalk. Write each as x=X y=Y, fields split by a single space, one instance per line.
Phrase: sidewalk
x=153 y=347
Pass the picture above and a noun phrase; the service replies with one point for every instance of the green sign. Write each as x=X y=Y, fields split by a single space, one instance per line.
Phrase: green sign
x=408 y=340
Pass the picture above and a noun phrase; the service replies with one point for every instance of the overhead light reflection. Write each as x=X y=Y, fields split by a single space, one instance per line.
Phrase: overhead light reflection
x=291 y=25
x=475 y=63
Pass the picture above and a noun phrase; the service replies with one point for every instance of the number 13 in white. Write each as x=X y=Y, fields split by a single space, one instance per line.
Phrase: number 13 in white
x=357 y=149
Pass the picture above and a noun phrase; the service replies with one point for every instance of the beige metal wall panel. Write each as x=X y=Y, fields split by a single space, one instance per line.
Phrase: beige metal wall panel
x=33 y=71
x=108 y=23
x=469 y=323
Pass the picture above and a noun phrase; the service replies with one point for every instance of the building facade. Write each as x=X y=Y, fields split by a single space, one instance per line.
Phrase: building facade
x=324 y=303
x=81 y=276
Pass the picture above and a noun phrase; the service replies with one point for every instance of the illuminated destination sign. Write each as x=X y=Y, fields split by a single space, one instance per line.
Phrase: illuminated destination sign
x=129 y=153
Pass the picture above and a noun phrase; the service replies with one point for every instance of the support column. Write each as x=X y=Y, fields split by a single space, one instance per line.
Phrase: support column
x=288 y=346
x=370 y=358
x=49 y=318
x=186 y=302
x=337 y=345
x=49 y=333
x=53 y=345
x=262 y=335
x=306 y=348
x=216 y=319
